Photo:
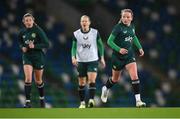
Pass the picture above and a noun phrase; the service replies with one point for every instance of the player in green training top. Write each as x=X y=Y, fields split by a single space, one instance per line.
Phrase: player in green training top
x=33 y=40
x=86 y=44
x=121 y=40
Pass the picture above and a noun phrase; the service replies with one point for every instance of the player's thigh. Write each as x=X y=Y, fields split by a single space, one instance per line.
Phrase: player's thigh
x=27 y=60
x=117 y=64
x=117 y=67
x=28 y=69
x=38 y=61
x=132 y=70
x=92 y=68
x=82 y=69
x=38 y=74
x=92 y=77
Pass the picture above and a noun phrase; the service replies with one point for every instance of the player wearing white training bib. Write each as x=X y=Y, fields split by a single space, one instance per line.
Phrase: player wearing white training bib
x=86 y=44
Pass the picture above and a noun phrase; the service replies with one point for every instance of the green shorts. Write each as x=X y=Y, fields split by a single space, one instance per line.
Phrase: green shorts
x=119 y=64
x=85 y=67
x=36 y=60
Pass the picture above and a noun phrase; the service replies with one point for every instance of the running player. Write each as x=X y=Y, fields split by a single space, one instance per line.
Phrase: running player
x=121 y=40
x=86 y=44
x=33 y=40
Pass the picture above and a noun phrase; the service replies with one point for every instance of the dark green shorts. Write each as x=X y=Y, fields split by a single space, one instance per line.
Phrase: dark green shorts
x=119 y=64
x=85 y=67
x=36 y=60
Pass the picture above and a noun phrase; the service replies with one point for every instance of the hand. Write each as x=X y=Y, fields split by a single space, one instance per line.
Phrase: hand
x=103 y=63
x=74 y=61
x=24 y=49
x=31 y=45
x=141 y=52
x=123 y=51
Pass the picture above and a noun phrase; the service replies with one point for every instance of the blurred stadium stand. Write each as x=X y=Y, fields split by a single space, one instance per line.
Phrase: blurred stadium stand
x=157 y=26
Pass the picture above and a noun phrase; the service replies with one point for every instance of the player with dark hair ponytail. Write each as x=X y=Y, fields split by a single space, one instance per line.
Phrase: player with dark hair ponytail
x=32 y=40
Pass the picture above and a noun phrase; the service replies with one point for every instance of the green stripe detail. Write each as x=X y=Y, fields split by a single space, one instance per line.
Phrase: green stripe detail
x=112 y=44
x=137 y=43
x=100 y=47
x=74 y=48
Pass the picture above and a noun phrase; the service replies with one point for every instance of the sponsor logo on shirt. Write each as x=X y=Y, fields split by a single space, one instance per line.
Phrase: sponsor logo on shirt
x=28 y=41
x=88 y=46
x=128 y=39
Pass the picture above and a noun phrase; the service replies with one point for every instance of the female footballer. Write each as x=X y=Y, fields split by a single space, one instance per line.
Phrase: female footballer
x=86 y=44
x=33 y=40
x=121 y=40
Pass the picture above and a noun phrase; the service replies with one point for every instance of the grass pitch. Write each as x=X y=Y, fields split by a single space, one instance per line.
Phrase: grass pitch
x=90 y=113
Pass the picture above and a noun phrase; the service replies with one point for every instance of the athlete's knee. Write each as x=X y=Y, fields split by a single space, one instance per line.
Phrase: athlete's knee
x=38 y=82
x=82 y=82
x=28 y=79
x=92 y=80
x=115 y=79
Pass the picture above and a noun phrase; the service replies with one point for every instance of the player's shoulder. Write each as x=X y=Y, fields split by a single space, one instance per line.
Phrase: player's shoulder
x=38 y=28
x=94 y=30
x=118 y=25
x=132 y=25
x=22 y=31
x=77 y=31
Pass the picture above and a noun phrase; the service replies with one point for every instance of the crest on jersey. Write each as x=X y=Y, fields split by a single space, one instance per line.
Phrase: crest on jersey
x=33 y=35
x=85 y=37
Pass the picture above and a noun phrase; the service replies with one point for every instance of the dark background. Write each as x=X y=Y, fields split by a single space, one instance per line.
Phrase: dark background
x=157 y=27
